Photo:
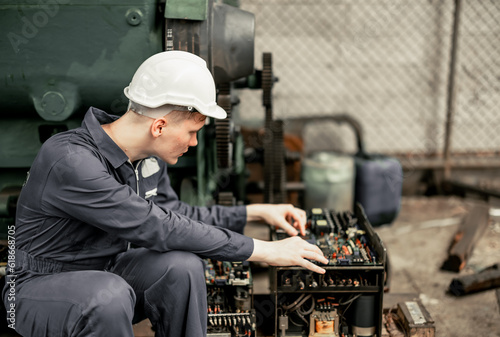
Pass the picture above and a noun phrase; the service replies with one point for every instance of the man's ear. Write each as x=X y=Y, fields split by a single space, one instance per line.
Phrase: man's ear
x=157 y=126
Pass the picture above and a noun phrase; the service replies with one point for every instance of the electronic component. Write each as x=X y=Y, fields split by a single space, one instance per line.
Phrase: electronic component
x=347 y=299
x=230 y=310
x=227 y=273
x=231 y=324
x=324 y=321
x=339 y=235
x=415 y=319
x=363 y=316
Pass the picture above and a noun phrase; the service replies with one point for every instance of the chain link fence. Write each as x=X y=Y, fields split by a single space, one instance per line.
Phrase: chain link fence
x=387 y=64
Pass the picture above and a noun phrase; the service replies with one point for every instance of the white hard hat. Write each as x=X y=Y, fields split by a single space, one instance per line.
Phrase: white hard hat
x=177 y=78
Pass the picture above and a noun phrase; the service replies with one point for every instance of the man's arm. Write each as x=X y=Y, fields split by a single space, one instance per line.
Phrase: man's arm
x=285 y=216
x=233 y=218
x=80 y=187
x=291 y=219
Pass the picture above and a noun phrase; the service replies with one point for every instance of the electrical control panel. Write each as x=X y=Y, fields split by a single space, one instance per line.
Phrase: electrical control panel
x=229 y=299
x=347 y=299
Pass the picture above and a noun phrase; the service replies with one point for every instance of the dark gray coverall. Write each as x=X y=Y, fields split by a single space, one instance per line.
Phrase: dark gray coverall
x=80 y=207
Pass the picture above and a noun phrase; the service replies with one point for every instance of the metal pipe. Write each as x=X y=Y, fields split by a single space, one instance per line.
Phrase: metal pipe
x=456 y=163
x=451 y=102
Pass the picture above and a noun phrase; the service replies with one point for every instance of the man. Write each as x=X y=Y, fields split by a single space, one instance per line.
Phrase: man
x=96 y=191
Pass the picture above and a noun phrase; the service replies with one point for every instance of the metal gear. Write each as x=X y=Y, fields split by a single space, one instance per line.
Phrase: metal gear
x=267 y=81
x=223 y=129
x=226 y=199
x=274 y=168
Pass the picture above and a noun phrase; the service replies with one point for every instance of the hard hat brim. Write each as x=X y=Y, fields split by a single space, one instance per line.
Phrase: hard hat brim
x=215 y=111
x=218 y=113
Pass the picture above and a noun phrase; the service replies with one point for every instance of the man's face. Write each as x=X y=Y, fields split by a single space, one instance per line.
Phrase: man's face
x=177 y=137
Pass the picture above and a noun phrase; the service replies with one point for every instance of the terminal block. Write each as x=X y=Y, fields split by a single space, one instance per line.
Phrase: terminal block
x=230 y=311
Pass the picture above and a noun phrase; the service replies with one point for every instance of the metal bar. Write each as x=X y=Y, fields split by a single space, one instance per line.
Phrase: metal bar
x=439 y=163
x=451 y=90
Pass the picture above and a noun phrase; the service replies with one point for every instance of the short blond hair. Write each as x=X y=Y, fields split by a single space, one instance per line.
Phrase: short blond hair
x=176 y=113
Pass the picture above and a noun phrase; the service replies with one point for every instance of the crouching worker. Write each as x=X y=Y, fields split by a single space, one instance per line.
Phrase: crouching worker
x=98 y=190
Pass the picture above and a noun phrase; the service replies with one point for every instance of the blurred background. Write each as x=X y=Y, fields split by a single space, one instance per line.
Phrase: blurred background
x=421 y=77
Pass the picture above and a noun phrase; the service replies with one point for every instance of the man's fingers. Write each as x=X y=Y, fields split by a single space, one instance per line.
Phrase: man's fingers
x=313 y=255
x=288 y=228
x=301 y=228
x=314 y=249
x=323 y=259
x=299 y=217
x=313 y=267
x=312 y=252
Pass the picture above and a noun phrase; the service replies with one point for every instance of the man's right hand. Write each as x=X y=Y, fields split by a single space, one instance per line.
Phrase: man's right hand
x=293 y=251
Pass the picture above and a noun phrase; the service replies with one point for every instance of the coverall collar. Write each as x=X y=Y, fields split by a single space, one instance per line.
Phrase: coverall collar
x=92 y=122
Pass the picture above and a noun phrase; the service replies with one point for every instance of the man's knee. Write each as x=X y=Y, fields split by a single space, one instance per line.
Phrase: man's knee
x=80 y=303
x=185 y=264
x=112 y=299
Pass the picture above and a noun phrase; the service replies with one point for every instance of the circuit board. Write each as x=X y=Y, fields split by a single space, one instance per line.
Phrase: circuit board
x=340 y=236
x=229 y=299
x=346 y=301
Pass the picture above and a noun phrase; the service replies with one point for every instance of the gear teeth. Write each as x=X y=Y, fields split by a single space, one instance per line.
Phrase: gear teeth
x=267 y=79
x=226 y=199
x=223 y=128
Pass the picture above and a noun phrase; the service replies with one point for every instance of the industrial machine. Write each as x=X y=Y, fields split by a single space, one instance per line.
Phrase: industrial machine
x=61 y=57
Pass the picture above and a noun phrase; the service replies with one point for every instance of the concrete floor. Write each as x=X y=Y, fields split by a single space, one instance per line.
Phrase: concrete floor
x=417 y=245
